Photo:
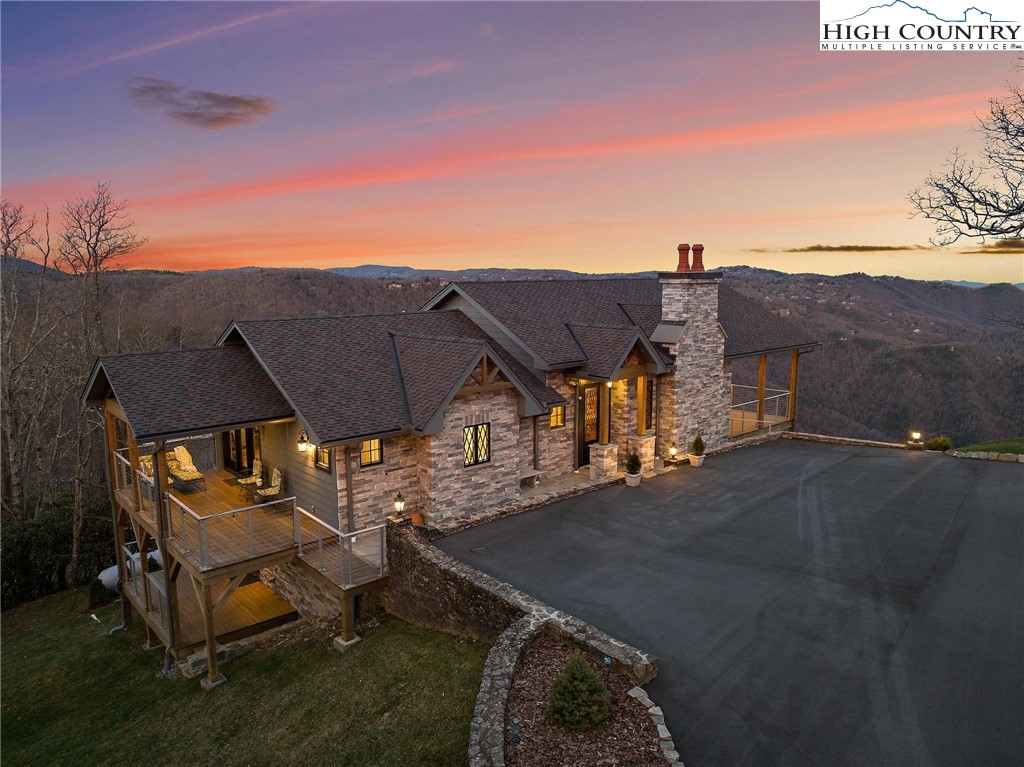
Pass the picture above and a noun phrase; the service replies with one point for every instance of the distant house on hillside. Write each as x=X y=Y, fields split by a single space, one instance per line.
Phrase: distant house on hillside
x=281 y=450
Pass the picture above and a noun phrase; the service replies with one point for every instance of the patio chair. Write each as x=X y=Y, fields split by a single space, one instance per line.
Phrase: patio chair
x=265 y=494
x=254 y=479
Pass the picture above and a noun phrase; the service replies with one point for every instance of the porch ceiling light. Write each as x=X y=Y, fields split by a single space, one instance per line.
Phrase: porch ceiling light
x=303 y=441
x=399 y=502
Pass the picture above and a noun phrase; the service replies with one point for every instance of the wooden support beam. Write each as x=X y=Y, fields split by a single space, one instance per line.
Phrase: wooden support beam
x=122 y=566
x=794 y=365
x=762 y=374
x=641 y=405
x=204 y=597
x=348 y=618
x=604 y=412
x=228 y=591
x=133 y=458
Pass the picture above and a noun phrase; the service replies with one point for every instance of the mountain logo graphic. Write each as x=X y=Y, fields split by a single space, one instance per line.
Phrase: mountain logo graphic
x=979 y=15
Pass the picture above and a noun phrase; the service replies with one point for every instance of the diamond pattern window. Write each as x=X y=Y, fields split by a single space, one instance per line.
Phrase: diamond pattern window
x=371 y=452
x=476 y=444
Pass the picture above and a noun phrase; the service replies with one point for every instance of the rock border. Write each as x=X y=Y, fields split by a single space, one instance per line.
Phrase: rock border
x=842 y=440
x=986 y=456
x=490 y=714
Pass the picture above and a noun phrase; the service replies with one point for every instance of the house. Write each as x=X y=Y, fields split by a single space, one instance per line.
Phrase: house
x=263 y=469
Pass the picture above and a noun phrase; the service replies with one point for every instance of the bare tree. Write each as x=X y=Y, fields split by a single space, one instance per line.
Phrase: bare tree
x=981 y=197
x=34 y=351
x=97 y=234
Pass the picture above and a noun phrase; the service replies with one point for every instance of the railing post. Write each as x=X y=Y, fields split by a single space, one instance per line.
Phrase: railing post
x=383 y=549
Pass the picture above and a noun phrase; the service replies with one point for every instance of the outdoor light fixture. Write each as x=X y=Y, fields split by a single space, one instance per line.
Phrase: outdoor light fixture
x=303 y=441
x=672 y=450
x=915 y=436
x=399 y=502
x=609 y=384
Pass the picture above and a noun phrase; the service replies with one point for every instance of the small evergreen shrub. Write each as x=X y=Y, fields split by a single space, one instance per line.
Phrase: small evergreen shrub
x=97 y=593
x=942 y=442
x=633 y=463
x=579 y=699
x=697 y=446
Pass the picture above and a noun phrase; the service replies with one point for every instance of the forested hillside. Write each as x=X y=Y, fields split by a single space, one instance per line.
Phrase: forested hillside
x=901 y=354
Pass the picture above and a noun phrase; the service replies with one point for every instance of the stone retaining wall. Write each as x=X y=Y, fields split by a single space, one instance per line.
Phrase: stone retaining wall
x=195 y=664
x=304 y=588
x=983 y=456
x=841 y=440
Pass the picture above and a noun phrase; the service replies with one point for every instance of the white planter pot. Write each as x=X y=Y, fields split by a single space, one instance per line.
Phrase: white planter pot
x=632 y=480
x=696 y=460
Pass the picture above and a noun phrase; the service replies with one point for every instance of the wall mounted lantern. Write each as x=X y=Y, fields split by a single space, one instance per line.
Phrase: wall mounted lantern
x=303 y=441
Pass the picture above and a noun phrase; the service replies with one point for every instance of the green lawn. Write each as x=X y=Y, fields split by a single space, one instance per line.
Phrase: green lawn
x=73 y=695
x=1015 y=445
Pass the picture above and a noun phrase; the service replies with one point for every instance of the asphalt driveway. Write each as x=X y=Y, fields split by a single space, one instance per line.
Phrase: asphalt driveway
x=810 y=604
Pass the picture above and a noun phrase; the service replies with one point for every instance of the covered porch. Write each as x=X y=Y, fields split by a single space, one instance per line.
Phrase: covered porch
x=756 y=409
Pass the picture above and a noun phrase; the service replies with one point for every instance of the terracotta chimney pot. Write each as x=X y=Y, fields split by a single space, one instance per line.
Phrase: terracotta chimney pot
x=698 y=258
x=684 y=258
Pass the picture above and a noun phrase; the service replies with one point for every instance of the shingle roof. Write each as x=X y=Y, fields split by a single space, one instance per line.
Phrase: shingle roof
x=188 y=391
x=750 y=328
x=539 y=313
x=605 y=346
x=342 y=375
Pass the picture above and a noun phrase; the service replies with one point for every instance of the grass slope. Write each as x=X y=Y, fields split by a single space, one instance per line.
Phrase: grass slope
x=74 y=695
x=999 y=446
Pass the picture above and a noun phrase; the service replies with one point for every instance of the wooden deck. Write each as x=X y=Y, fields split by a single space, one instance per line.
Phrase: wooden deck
x=743 y=424
x=250 y=609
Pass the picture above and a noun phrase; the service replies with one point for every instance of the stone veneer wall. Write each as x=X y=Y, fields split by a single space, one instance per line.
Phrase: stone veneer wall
x=310 y=593
x=526 y=443
x=374 y=487
x=701 y=384
x=455 y=492
x=557 y=447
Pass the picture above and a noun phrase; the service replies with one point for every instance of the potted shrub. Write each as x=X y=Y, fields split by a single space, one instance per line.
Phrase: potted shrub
x=633 y=469
x=697 y=451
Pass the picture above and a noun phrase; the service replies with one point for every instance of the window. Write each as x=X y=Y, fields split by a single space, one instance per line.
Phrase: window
x=371 y=452
x=557 y=416
x=476 y=444
x=323 y=458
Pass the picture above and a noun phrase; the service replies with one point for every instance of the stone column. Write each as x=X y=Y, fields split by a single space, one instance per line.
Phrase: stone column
x=604 y=461
x=643 y=446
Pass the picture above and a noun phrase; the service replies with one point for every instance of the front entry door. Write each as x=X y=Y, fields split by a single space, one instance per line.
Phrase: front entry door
x=587 y=417
x=238 y=450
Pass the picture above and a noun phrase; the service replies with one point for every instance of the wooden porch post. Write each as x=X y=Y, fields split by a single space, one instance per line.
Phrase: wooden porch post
x=604 y=412
x=762 y=374
x=110 y=428
x=213 y=675
x=133 y=458
x=794 y=365
x=348 y=619
x=122 y=565
x=641 y=405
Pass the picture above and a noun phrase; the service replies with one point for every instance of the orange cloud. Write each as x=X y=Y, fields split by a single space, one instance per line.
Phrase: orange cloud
x=496 y=157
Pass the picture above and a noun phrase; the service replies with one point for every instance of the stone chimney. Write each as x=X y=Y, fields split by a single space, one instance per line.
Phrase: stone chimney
x=695 y=397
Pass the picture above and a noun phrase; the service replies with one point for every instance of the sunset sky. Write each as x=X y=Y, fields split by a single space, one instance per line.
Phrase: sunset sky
x=585 y=136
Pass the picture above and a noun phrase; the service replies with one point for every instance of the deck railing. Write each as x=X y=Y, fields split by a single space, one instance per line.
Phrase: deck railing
x=743 y=416
x=348 y=559
x=147 y=495
x=159 y=605
x=122 y=470
x=230 y=536
x=132 y=582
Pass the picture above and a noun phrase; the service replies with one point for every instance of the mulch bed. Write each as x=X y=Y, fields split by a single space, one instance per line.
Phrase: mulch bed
x=627 y=739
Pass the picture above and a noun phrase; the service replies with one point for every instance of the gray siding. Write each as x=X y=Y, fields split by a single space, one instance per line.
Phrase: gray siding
x=313 y=488
x=506 y=341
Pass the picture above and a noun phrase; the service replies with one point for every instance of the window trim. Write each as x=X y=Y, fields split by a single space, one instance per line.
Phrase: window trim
x=316 y=458
x=561 y=419
x=369 y=450
x=475 y=428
